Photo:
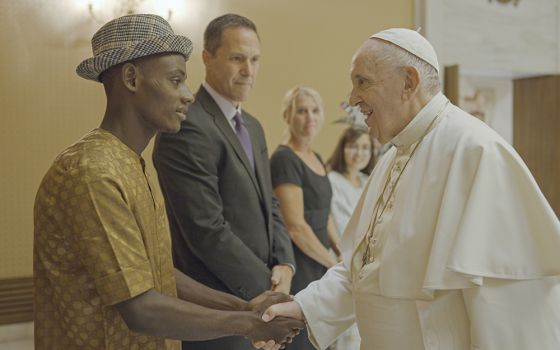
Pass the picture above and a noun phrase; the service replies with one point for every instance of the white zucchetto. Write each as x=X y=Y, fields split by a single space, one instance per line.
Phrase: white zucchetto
x=412 y=42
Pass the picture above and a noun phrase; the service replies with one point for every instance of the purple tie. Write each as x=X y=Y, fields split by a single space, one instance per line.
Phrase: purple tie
x=244 y=138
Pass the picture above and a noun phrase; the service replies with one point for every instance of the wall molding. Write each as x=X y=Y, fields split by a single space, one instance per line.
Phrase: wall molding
x=16 y=300
x=490 y=40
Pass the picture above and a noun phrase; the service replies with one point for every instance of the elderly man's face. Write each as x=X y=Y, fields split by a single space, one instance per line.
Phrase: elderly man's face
x=232 y=69
x=162 y=93
x=377 y=90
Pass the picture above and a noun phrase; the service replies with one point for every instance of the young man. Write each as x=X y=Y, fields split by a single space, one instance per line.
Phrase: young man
x=103 y=272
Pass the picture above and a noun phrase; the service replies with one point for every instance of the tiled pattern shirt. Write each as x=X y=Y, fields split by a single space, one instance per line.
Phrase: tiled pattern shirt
x=101 y=237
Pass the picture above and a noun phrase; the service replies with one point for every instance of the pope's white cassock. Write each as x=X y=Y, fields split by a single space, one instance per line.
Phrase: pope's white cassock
x=465 y=253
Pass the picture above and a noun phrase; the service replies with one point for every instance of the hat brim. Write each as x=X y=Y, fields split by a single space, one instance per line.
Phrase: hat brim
x=92 y=68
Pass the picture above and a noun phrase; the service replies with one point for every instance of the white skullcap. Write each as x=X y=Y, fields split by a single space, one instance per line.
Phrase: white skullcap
x=412 y=42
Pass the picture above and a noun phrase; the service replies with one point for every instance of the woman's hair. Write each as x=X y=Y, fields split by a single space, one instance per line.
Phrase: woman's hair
x=336 y=161
x=289 y=102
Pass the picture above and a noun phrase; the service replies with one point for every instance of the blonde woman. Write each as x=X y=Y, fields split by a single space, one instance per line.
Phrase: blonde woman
x=300 y=182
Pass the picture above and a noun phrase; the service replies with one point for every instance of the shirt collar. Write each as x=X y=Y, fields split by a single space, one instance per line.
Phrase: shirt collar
x=228 y=109
x=116 y=141
x=418 y=125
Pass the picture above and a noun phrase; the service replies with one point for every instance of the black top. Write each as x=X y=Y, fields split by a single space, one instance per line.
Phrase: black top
x=287 y=167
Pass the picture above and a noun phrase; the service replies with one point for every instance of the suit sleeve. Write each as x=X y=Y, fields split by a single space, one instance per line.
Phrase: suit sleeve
x=186 y=163
x=283 y=170
x=282 y=251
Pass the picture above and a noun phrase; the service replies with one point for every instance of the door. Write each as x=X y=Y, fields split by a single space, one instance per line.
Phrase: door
x=536 y=131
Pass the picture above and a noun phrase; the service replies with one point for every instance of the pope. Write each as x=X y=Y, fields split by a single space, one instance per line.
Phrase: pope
x=452 y=245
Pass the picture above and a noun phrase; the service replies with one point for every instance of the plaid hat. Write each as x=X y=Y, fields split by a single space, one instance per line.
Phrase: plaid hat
x=412 y=42
x=130 y=37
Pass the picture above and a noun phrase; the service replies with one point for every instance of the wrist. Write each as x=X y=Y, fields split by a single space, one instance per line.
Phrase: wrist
x=229 y=303
x=240 y=305
x=287 y=267
x=244 y=306
x=245 y=323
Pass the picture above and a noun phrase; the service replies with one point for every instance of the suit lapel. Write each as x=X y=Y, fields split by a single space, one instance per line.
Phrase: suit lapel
x=260 y=164
x=261 y=172
x=208 y=103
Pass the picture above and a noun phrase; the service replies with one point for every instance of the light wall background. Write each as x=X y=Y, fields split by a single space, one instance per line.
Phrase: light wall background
x=45 y=106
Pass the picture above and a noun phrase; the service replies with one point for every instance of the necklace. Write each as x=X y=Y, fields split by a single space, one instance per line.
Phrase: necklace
x=371 y=241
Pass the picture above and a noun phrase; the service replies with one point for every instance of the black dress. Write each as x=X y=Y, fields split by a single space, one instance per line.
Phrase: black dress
x=287 y=167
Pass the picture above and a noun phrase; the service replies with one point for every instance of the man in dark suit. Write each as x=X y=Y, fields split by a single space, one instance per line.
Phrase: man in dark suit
x=226 y=226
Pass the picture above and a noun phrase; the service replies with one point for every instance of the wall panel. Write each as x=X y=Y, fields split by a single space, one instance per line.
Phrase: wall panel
x=46 y=106
x=536 y=131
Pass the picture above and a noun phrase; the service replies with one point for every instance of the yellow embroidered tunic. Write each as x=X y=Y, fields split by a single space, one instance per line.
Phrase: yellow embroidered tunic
x=101 y=237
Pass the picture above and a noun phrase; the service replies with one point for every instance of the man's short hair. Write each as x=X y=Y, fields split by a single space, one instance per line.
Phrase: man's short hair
x=215 y=29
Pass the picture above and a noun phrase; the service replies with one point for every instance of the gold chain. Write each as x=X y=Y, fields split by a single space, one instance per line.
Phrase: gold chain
x=377 y=215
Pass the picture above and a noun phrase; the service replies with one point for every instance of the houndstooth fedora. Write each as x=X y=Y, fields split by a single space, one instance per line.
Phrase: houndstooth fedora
x=130 y=37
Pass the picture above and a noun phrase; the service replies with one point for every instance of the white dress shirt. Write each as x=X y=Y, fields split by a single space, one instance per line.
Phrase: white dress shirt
x=228 y=109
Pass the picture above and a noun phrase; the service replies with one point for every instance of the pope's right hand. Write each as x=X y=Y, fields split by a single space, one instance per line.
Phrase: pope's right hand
x=274 y=334
x=289 y=309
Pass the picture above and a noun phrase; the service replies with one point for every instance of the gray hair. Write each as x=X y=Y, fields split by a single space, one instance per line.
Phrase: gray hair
x=397 y=57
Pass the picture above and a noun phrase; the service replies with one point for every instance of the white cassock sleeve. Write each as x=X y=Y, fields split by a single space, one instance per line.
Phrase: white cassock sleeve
x=328 y=306
x=515 y=314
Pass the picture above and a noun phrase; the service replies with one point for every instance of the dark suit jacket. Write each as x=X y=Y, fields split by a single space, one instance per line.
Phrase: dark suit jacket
x=226 y=226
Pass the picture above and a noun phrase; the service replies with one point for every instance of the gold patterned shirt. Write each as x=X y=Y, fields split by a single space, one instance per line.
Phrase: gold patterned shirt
x=101 y=237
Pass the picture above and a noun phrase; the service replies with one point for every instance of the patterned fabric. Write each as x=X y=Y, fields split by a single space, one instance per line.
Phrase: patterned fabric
x=130 y=37
x=101 y=237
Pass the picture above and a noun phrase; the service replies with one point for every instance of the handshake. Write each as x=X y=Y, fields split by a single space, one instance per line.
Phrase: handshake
x=280 y=319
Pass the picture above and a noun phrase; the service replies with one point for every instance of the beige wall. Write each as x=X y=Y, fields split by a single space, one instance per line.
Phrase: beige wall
x=45 y=106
